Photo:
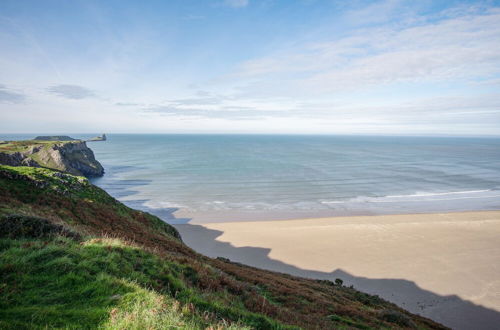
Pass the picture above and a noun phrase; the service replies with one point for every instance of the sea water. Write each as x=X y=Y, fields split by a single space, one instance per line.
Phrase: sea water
x=249 y=177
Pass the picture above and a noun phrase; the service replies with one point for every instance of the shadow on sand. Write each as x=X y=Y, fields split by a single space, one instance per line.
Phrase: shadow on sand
x=449 y=310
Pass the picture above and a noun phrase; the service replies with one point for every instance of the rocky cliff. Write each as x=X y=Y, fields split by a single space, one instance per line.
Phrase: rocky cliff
x=73 y=157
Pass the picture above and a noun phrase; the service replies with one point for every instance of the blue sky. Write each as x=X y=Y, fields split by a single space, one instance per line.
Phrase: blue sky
x=247 y=66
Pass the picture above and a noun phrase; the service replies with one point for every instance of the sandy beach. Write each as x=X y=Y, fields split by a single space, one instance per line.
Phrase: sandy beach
x=443 y=266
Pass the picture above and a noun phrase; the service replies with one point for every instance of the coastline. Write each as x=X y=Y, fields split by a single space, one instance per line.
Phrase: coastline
x=135 y=264
x=438 y=265
x=224 y=216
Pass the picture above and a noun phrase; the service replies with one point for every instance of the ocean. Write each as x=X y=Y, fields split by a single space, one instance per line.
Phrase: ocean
x=210 y=178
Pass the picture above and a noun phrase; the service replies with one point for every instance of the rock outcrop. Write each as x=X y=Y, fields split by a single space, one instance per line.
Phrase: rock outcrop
x=17 y=159
x=73 y=157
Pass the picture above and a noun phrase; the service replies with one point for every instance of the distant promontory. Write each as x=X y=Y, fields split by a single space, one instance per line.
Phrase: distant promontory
x=54 y=138
x=98 y=138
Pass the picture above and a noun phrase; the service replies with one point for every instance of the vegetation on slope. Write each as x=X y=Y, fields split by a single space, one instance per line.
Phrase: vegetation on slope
x=22 y=146
x=71 y=256
x=62 y=282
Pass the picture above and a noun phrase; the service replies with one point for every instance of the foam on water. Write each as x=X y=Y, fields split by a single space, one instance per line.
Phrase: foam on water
x=310 y=174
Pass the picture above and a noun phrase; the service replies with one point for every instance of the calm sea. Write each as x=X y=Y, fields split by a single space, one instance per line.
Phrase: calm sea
x=243 y=177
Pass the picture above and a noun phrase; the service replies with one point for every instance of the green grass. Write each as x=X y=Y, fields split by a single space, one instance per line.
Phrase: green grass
x=349 y=322
x=76 y=190
x=21 y=146
x=105 y=283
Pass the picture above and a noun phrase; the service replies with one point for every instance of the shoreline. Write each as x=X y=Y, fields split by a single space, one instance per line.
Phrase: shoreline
x=238 y=216
x=228 y=216
x=439 y=265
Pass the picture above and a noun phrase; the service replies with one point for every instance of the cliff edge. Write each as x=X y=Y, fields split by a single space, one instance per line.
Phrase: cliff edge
x=73 y=157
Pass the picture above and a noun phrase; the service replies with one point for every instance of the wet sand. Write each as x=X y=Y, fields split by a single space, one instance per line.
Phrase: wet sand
x=444 y=266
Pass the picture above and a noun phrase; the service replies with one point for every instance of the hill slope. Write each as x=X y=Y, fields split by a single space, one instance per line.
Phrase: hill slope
x=72 y=256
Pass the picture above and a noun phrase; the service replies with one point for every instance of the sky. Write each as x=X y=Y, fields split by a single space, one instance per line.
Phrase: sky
x=390 y=67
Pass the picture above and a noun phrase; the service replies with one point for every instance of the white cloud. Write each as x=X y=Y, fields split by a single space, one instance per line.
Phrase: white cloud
x=462 y=48
x=73 y=92
x=423 y=74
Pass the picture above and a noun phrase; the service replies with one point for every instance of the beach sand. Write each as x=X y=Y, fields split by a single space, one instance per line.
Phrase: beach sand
x=442 y=266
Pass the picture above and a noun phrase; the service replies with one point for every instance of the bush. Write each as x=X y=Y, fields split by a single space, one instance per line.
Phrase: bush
x=396 y=317
x=23 y=226
x=339 y=282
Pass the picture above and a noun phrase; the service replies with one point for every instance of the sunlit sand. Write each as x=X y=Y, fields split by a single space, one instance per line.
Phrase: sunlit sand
x=444 y=254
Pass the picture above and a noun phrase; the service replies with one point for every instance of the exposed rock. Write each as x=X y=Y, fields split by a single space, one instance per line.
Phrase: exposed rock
x=72 y=157
x=17 y=159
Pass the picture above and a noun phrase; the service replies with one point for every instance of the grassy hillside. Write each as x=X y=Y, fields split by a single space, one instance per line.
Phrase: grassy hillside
x=22 y=146
x=71 y=256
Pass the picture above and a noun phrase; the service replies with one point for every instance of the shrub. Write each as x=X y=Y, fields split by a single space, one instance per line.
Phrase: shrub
x=396 y=317
x=23 y=226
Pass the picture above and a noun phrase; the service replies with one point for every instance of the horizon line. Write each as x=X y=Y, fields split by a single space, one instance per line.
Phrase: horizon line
x=260 y=133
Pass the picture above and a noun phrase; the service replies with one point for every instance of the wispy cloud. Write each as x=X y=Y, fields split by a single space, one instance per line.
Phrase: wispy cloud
x=128 y=104
x=201 y=98
x=73 y=92
x=379 y=66
x=236 y=3
x=198 y=101
x=8 y=96
x=226 y=112
x=376 y=12
x=464 y=48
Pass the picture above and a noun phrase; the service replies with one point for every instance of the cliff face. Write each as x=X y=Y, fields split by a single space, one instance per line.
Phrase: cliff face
x=73 y=157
